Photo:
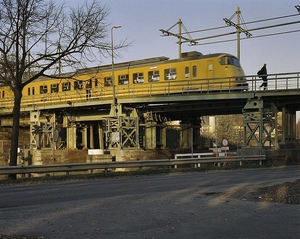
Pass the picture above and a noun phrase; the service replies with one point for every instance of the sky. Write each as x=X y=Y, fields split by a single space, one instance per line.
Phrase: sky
x=141 y=21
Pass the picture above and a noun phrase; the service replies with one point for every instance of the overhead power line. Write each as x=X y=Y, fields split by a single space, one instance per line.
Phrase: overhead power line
x=244 y=38
x=249 y=30
x=179 y=35
x=253 y=29
x=246 y=23
x=240 y=27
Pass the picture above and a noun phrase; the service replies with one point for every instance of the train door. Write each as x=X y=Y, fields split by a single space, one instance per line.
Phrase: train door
x=210 y=69
x=88 y=88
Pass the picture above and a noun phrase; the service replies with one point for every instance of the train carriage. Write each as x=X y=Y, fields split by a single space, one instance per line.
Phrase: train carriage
x=193 y=72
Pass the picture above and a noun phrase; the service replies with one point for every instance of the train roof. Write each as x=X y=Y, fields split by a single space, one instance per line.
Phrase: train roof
x=148 y=61
x=142 y=62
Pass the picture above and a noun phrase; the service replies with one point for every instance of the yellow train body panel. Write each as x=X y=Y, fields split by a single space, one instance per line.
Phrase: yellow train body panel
x=193 y=72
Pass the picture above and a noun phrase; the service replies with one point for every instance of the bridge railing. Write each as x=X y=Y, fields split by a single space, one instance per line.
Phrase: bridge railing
x=281 y=81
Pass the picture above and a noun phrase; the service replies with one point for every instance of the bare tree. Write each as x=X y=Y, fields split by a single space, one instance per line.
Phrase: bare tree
x=36 y=35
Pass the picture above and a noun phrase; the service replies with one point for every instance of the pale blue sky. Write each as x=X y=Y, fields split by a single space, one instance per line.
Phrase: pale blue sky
x=142 y=19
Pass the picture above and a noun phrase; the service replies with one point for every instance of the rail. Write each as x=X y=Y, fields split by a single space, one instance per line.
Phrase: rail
x=195 y=162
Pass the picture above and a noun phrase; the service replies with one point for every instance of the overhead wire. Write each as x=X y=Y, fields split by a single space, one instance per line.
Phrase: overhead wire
x=244 y=38
x=252 y=22
x=253 y=29
x=271 y=19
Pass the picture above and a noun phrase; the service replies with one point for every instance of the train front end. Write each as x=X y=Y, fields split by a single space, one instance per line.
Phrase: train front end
x=231 y=68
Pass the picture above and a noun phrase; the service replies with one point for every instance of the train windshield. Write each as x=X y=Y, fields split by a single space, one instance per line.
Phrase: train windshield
x=230 y=60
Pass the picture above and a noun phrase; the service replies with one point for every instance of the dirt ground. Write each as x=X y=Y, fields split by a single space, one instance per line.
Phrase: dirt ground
x=287 y=193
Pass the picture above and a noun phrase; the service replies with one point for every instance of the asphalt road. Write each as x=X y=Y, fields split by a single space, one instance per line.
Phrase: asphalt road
x=183 y=205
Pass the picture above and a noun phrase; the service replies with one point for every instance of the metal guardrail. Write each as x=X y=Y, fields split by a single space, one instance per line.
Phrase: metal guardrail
x=196 y=162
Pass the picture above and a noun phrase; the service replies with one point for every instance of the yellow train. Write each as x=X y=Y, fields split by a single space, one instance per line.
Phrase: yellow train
x=193 y=72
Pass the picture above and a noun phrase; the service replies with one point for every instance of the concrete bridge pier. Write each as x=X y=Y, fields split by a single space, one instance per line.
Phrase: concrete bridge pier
x=150 y=134
x=71 y=137
x=84 y=133
x=101 y=137
x=288 y=128
x=161 y=136
x=186 y=135
x=190 y=133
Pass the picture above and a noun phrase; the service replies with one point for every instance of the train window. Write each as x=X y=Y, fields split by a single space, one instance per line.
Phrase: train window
x=3 y=94
x=153 y=76
x=96 y=83
x=78 y=85
x=194 y=71
x=170 y=74
x=54 y=88
x=187 y=72
x=33 y=91
x=138 y=78
x=66 y=86
x=222 y=60
x=43 y=89
x=233 y=61
x=229 y=60
x=123 y=79
x=108 y=81
x=28 y=91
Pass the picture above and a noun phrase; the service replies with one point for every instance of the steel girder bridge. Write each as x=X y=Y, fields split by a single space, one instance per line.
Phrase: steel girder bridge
x=119 y=125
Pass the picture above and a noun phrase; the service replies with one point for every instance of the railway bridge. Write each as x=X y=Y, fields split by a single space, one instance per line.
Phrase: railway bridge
x=133 y=125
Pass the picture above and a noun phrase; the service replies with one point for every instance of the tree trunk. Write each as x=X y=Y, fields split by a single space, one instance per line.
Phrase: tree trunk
x=15 y=131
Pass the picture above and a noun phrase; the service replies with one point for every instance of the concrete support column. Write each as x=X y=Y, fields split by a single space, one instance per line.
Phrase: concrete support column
x=71 y=137
x=284 y=125
x=293 y=124
x=196 y=136
x=84 y=138
x=186 y=135
x=288 y=125
x=91 y=137
x=163 y=137
x=150 y=135
x=101 y=141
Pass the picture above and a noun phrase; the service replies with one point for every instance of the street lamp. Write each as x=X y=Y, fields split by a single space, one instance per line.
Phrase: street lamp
x=112 y=69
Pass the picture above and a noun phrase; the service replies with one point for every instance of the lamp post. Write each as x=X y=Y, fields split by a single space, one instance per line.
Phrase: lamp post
x=112 y=69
